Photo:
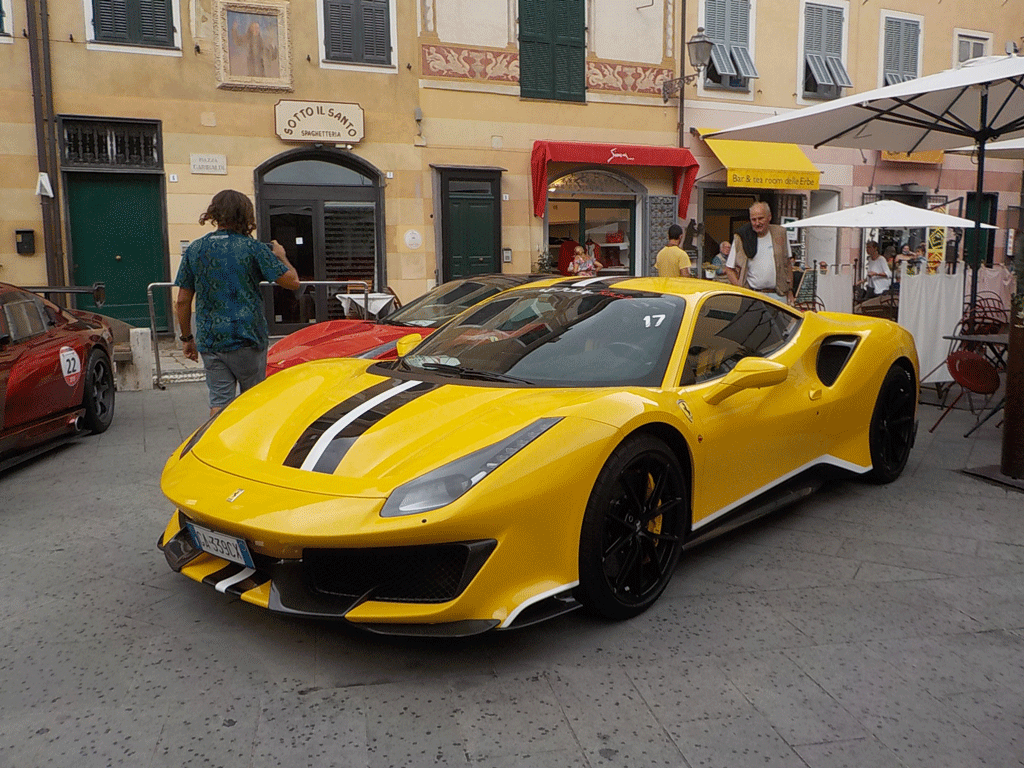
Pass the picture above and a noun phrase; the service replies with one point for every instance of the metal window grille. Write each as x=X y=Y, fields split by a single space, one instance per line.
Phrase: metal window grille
x=103 y=144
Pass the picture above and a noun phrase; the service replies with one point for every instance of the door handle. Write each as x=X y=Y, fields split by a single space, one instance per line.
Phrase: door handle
x=814 y=394
x=117 y=257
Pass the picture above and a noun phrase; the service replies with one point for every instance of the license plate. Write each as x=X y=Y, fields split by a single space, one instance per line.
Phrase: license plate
x=221 y=545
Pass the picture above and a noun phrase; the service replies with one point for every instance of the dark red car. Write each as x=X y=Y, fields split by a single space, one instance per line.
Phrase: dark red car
x=376 y=339
x=56 y=377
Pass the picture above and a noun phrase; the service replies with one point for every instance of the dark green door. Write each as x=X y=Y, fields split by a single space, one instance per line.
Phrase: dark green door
x=472 y=237
x=471 y=224
x=117 y=238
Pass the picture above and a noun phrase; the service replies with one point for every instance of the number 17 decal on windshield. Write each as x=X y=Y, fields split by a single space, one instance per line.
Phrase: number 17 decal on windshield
x=70 y=365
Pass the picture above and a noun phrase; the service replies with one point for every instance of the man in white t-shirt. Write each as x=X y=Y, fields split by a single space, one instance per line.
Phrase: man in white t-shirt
x=759 y=258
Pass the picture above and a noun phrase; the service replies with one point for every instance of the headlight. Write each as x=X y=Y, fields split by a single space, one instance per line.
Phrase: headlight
x=195 y=437
x=445 y=484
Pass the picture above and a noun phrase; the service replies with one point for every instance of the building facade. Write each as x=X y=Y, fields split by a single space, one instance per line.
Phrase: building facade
x=405 y=143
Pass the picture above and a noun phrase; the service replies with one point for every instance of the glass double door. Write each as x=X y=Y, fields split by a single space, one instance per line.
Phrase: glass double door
x=326 y=240
x=606 y=228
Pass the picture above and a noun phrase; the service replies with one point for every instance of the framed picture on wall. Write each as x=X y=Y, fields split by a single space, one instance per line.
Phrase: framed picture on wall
x=793 y=235
x=253 y=49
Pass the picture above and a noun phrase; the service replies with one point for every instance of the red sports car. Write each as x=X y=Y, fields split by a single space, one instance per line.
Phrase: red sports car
x=56 y=377
x=376 y=339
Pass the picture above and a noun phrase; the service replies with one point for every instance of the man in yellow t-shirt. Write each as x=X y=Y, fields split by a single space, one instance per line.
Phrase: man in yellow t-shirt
x=672 y=260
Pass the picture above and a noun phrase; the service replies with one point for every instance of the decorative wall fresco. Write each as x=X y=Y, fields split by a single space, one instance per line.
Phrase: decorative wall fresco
x=503 y=67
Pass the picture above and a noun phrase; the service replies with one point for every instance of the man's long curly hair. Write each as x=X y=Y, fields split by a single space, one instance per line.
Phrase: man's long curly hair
x=231 y=210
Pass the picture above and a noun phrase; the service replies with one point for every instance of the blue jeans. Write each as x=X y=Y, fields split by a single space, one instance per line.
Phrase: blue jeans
x=228 y=373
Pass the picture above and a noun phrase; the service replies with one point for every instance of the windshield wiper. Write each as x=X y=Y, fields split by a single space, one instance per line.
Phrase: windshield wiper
x=472 y=373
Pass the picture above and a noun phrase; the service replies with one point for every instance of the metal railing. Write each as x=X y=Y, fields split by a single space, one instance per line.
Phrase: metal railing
x=347 y=284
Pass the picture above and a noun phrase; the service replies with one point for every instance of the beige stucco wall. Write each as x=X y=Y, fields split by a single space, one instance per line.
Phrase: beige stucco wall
x=457 y=63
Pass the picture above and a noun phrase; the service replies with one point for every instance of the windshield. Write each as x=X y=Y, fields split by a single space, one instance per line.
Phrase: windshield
x=558 y=337
x=435 y=308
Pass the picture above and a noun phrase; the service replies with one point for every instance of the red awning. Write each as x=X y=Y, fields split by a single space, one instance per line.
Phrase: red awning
x=683 y=166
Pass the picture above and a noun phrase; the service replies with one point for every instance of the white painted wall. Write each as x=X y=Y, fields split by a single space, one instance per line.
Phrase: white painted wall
x=617 y=29
x=474 y=22
x=622 y=32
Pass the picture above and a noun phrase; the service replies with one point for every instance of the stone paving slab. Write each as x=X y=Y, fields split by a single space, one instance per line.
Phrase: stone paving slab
x=867 y=626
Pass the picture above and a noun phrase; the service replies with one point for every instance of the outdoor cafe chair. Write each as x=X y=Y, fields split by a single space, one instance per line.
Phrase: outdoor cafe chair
x=975 y=374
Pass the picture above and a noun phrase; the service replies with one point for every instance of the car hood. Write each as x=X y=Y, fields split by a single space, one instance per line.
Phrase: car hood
x=336 y=338
x=380 y=431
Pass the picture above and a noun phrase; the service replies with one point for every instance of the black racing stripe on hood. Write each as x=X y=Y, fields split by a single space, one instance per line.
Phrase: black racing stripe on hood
x=337 y=448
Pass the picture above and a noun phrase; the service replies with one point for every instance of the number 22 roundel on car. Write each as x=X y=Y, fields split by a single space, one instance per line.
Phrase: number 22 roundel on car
x=70 y=366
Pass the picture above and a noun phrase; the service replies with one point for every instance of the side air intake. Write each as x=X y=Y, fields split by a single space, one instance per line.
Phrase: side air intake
x=833 y=356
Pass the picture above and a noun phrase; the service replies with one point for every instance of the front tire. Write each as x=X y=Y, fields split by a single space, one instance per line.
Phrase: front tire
x=99 y=392
x=891 y=432
x=633 y=529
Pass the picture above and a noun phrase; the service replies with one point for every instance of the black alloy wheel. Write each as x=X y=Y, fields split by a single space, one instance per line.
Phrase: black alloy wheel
x=99 y=392
x=633 y=529
x=891 y=434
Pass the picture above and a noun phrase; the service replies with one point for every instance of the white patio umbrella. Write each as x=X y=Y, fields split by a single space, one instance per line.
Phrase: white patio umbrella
x=1011 y=149
x=888 y=214
x=980 y=101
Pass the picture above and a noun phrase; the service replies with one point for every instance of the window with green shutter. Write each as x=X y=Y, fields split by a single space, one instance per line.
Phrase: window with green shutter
x=824 y=72
x=552 y=50
x=727 y=24
x=900 y=54
x=133 y=22
x=357 y=31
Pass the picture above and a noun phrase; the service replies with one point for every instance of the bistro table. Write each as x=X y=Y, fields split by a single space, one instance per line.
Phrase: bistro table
x=993 y=345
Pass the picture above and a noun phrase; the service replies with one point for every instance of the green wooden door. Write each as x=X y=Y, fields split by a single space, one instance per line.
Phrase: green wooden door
x=117 y=238
x=471 y=248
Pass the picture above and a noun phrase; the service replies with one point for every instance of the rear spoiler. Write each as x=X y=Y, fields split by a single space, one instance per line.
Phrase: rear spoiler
x=97 y=290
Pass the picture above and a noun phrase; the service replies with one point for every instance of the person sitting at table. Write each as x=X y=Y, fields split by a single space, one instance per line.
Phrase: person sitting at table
x=719 y=259
x=583 y=264
x=879 y=276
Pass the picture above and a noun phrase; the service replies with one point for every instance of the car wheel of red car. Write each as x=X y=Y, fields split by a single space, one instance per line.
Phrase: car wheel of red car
x=99 y=392
x=632 y=529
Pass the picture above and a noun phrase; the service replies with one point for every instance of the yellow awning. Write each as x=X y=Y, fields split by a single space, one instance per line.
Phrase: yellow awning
x=765 y=164
x=932 y=157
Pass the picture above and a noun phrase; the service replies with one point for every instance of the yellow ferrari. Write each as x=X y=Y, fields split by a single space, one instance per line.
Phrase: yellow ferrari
x=556 y=446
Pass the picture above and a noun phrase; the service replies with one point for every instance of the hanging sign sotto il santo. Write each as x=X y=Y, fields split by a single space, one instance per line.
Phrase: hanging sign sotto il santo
x=319 y=121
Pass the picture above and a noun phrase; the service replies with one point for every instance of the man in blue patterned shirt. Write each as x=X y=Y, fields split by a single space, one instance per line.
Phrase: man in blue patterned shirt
x=222 y=271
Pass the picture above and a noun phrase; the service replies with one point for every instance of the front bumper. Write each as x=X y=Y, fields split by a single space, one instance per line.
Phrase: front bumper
x=332 y=583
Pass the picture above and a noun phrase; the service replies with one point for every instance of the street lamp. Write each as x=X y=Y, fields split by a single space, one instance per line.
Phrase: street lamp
x=698 y=48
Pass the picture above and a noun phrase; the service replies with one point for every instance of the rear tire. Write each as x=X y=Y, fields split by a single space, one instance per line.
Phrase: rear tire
x=99 y=392
x=891 y=432
x=633 y=529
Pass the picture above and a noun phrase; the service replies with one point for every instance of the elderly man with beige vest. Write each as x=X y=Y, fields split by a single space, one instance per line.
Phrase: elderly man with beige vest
x=759 y=259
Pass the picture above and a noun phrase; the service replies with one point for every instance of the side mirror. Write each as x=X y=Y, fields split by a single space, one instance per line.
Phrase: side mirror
x=406 y=344
x=5 y=339
x=749 y=373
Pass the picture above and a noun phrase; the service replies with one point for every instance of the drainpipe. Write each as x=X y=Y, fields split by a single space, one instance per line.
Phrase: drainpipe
x=682 y=72
x=46 y=136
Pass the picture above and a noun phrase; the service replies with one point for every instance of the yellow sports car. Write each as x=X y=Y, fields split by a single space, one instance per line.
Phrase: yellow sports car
x=556 y=446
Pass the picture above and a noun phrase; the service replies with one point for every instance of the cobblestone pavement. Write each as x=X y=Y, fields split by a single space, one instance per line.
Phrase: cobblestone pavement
x=865 y=626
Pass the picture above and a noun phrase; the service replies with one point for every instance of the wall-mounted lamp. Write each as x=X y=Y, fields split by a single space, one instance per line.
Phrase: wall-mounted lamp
x=698 y=48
